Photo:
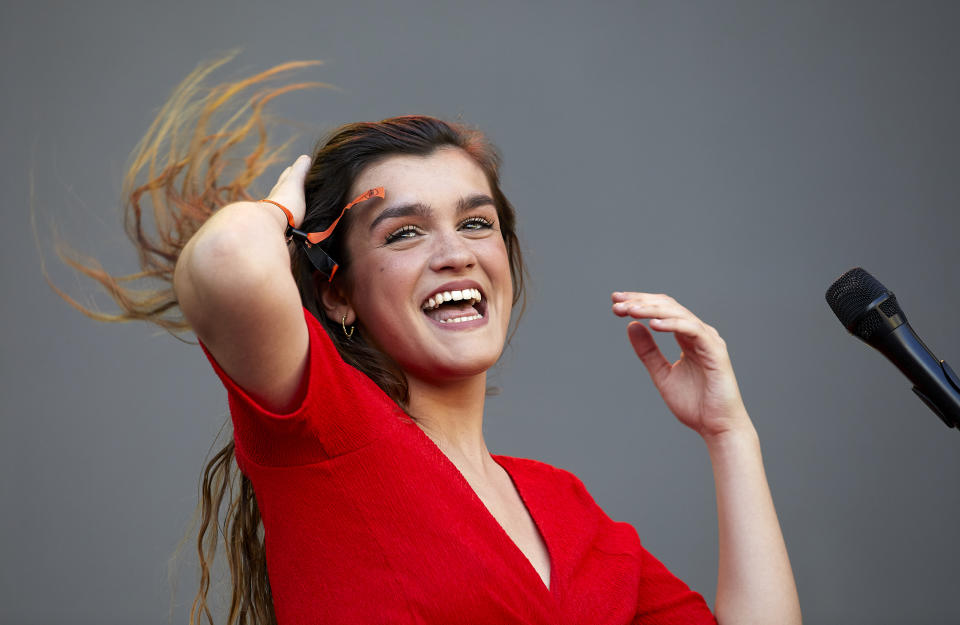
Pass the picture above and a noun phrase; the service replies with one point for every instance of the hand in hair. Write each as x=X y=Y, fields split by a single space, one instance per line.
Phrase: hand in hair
x=289 y=189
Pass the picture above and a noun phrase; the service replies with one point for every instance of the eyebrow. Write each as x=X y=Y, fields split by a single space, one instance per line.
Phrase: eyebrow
x=419 y=209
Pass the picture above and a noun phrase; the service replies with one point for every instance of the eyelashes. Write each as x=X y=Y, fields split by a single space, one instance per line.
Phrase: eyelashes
x=410 y=231
x=405 y=232
x=476 y=223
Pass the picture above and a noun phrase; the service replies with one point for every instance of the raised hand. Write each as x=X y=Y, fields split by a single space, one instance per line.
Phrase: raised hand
x=700 y=388
x=289 y=188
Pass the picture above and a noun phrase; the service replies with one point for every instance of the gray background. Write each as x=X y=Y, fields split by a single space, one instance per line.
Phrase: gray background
x=738 y=156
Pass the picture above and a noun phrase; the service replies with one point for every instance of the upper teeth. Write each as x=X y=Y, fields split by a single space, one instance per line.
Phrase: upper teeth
x=470 y=295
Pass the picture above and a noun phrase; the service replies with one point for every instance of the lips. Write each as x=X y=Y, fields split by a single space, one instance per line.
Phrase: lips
x=455 y=305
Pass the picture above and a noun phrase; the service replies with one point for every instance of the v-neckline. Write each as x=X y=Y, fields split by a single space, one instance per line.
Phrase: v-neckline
x=552 y=588
x=536 y=523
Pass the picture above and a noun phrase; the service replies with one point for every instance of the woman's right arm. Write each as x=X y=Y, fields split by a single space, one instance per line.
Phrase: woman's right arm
x=234 y=285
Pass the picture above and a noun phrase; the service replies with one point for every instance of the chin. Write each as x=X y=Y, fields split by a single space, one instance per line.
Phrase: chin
x=441 y=354
x=451 y=369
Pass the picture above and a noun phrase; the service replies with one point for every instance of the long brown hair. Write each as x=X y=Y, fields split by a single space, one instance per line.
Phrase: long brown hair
x=207 y=148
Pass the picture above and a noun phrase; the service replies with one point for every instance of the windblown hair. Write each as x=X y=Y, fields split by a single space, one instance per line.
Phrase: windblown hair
x=206 y=149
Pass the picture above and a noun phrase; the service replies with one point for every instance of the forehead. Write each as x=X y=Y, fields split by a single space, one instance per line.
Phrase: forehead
x=441 y=177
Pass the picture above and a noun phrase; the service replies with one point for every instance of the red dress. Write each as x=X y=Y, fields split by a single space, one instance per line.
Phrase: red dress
x=367 y=521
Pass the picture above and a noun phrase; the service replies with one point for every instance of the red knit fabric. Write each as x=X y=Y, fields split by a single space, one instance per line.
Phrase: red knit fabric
x=367 y=521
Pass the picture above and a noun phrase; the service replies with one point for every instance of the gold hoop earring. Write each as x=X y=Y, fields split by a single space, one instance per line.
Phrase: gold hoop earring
x=343 y=324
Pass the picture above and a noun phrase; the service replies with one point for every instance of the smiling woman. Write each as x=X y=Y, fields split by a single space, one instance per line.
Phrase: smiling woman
x=438 y=230
x=366 y=492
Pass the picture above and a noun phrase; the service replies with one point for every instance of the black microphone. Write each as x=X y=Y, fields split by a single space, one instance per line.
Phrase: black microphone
x=870 y=312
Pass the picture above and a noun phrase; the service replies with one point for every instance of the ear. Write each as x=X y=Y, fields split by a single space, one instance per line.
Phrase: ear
x=334 y=300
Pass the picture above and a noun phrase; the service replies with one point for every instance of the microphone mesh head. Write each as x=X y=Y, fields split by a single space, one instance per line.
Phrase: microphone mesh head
x=850 y=296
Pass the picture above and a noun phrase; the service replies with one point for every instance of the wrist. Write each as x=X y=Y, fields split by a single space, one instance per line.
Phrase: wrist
x=281 y=215
x=736 y=436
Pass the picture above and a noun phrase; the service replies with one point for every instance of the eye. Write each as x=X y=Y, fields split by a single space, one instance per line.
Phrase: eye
x=476 y=223
x=404 y=232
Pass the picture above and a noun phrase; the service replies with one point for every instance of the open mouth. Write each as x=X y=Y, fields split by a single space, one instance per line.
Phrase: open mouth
x=455 y=306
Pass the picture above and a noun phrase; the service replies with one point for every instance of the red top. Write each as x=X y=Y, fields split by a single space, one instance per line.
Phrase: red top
x=367 y=521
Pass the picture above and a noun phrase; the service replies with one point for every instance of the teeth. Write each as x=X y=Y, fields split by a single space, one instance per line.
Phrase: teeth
x=473 y=295
x=462 y=319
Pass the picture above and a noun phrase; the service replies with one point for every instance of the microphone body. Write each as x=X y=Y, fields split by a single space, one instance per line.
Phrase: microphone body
x=934 y=381
x=871 y=313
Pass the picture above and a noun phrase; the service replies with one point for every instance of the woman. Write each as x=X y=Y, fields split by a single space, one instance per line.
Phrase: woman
x=352 y=316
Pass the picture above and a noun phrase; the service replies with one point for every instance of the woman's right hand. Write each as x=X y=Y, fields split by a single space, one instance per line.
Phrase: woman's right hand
x=289 y=189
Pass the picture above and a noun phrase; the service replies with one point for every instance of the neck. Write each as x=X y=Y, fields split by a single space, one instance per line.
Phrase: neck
x=451 y=414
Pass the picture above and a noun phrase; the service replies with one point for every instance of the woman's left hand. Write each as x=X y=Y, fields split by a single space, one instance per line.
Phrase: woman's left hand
x=700 y=388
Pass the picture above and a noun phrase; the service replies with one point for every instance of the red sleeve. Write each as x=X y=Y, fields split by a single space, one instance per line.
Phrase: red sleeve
x=662 y=598
x=665 y=600
x=337 y=414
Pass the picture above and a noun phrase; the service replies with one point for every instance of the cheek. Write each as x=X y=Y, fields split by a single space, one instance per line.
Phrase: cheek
x=393 y=275
x=498 y=261
x=382 y=287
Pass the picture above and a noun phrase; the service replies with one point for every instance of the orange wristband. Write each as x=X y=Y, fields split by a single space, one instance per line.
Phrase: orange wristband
x=284 y=209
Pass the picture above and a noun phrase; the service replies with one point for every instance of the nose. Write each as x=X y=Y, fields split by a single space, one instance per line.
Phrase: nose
x=452 y=253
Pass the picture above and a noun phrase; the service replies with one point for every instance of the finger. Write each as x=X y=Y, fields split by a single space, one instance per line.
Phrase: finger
x=696 y=340
x=648 y=309
x=642 y=309
x=678 y=325
x=289 y=192
x=622 y=296
x=648 y=352
x=279 y=181
x=294 y=174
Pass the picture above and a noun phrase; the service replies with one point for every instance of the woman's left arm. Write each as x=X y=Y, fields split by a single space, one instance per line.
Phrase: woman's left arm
x=754 y=581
